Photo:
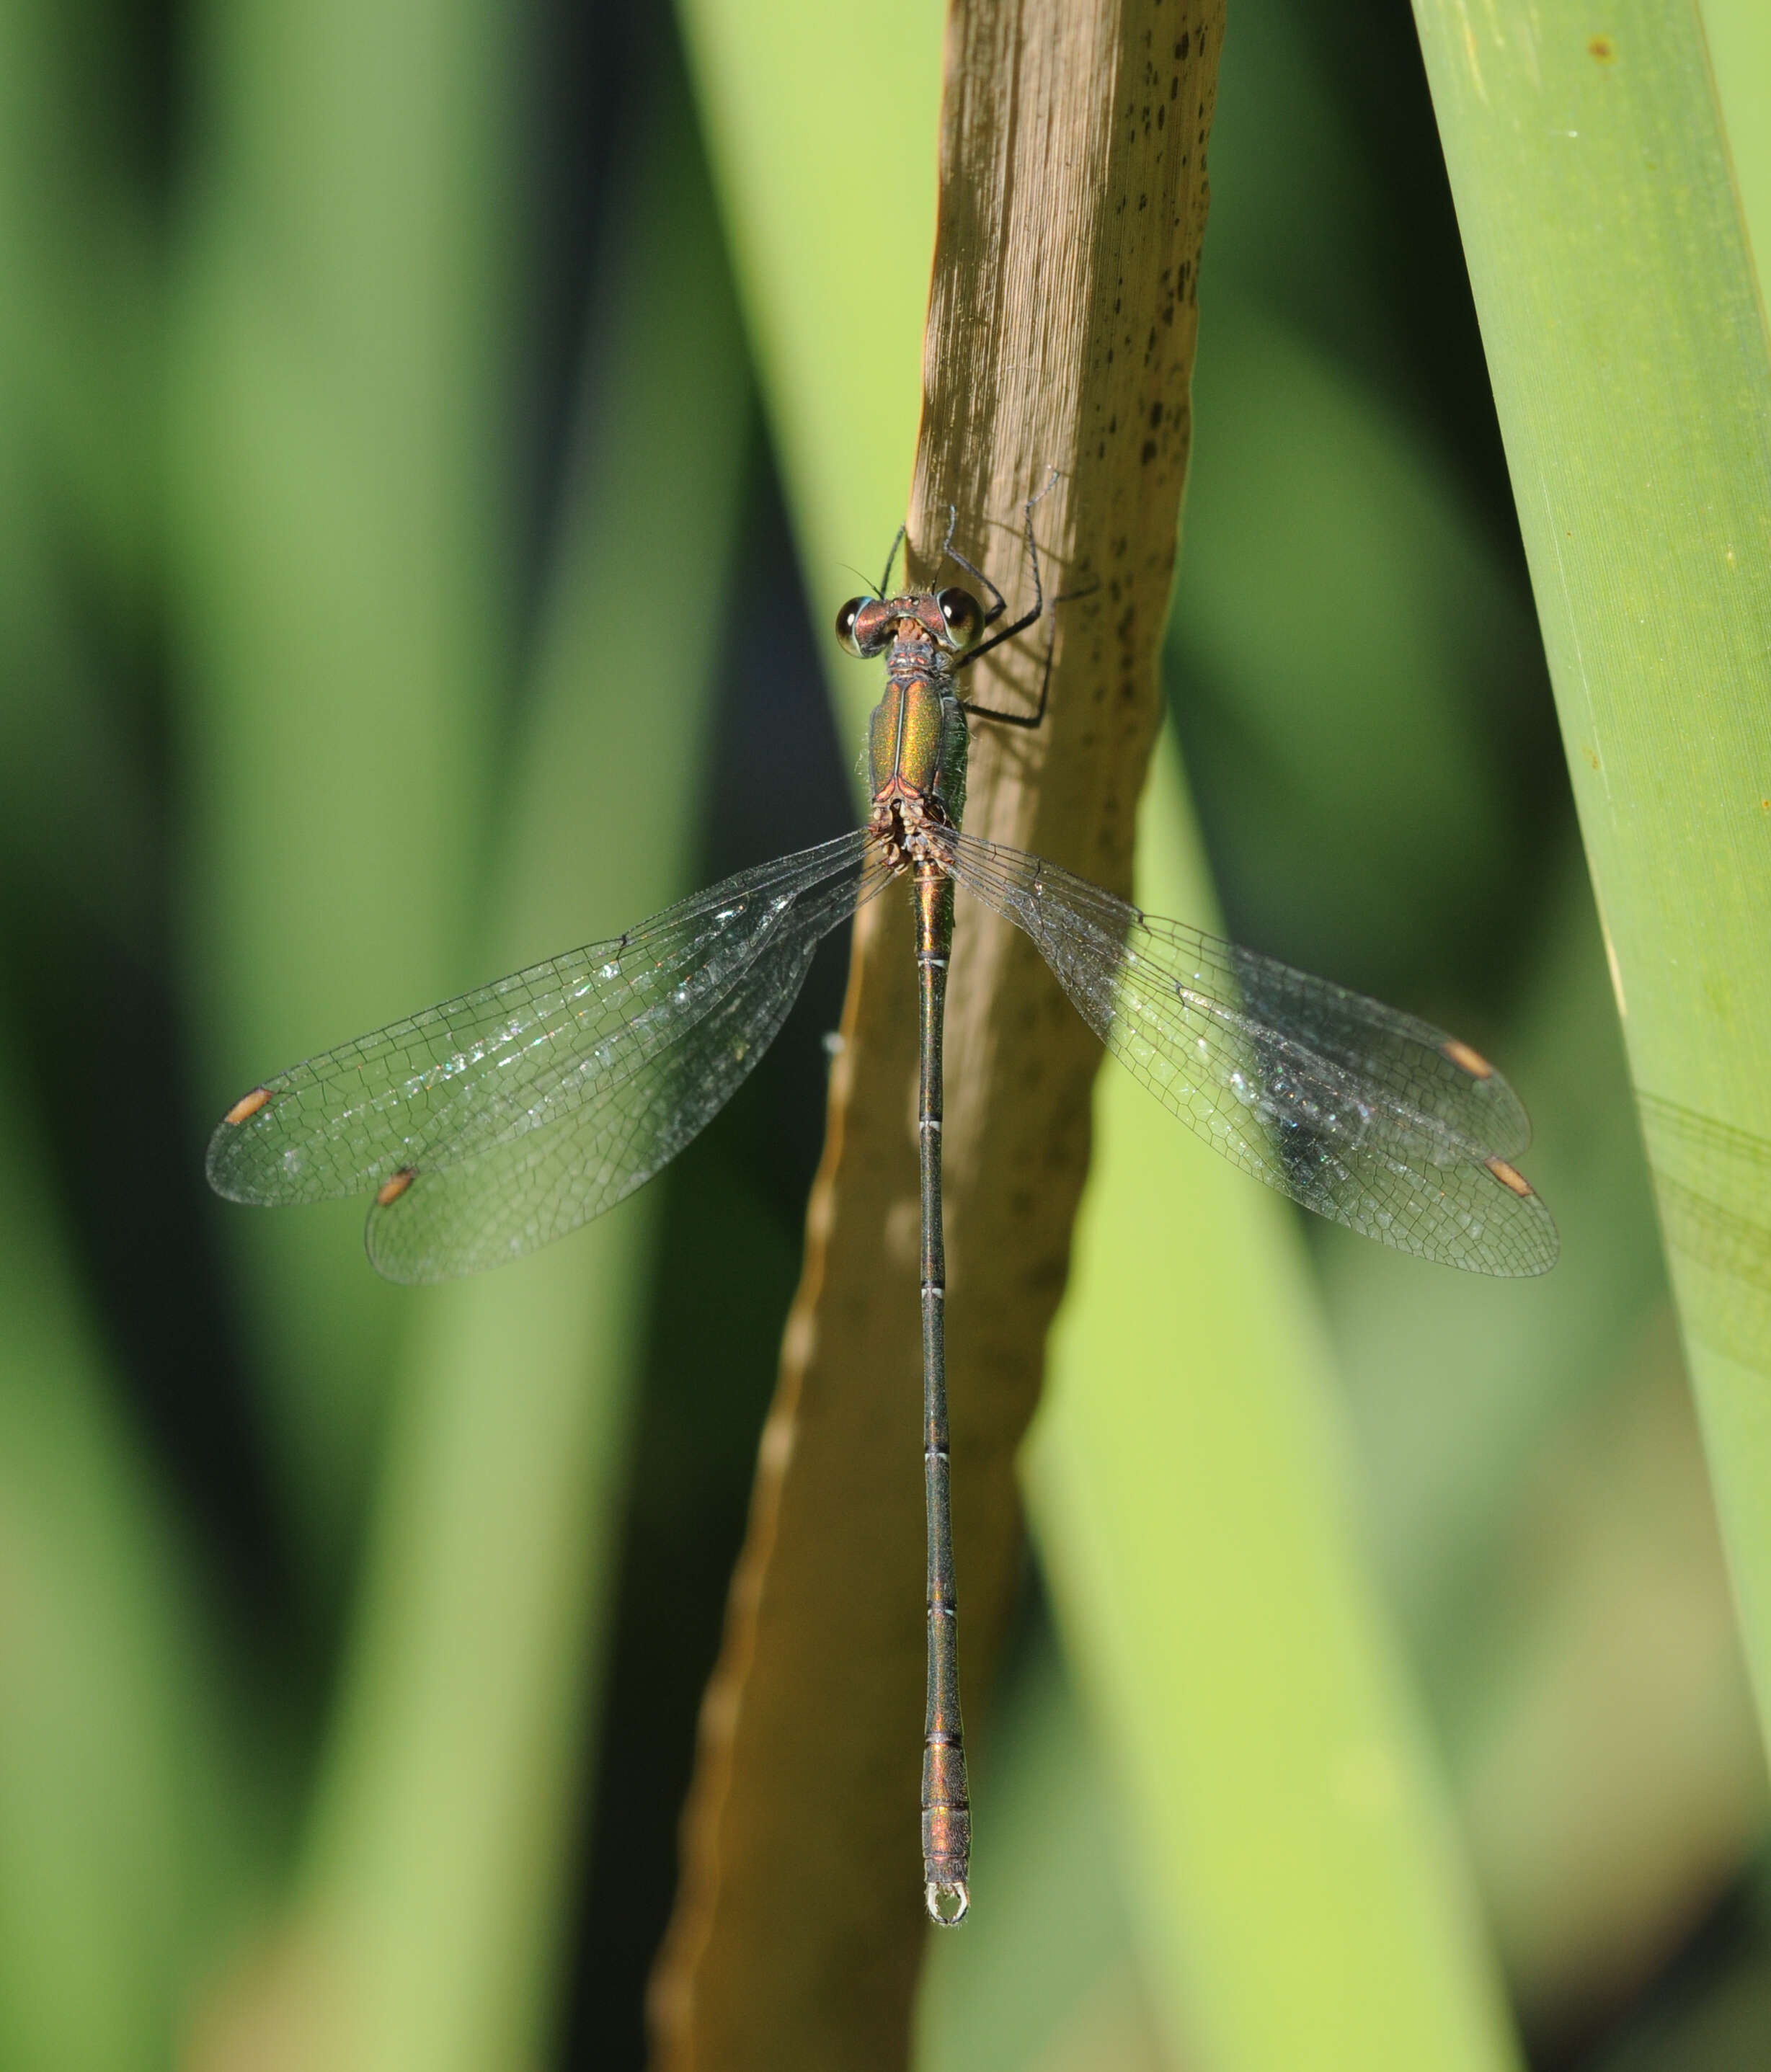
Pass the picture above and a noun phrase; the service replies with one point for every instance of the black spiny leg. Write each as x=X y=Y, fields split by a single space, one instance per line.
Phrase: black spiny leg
x=1008 y=632
x=949 y=553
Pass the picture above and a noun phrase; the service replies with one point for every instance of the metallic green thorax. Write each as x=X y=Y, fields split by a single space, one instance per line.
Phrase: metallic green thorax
x=917 y=741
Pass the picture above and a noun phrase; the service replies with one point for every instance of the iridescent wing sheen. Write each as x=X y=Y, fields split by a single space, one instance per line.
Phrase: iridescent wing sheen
x=494 y=1123
x=1371 y=1117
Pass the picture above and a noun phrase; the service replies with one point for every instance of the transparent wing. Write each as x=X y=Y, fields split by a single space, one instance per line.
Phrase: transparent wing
x=1381 y=1121
x=493 y=1123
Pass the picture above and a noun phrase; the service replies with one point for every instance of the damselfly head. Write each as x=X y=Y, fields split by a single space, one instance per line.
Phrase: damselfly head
x=952 y=619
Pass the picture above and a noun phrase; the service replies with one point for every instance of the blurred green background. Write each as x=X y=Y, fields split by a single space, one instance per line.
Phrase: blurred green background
x=416 y=556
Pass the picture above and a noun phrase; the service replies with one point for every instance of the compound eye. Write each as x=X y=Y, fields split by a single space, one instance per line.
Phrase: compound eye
x=964 y=616
x=844 y=624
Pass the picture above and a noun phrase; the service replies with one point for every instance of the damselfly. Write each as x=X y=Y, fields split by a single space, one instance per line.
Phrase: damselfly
x=494 y=1123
